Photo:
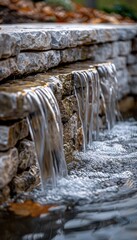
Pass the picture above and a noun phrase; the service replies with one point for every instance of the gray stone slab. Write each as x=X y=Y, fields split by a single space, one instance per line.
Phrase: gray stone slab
x=12 y=95
x=10 y=134
x=124 y=47
x=127 y=32
x=123 y=83
x=132 y=58
x=17 y=38
x=29 y=62
x=120 y=62
x=133 y=69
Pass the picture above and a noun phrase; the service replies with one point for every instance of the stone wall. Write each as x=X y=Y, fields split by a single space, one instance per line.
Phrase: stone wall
x=28 y=49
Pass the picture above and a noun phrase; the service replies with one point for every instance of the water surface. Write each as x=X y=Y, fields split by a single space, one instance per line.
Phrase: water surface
x=98 y=200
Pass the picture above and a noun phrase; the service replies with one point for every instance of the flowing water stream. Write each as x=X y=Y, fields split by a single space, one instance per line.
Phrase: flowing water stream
x=46 y=131
x=97 y=200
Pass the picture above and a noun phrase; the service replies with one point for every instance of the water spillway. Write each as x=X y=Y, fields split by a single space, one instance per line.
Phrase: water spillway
x=98 y=84
x=92 y=201
x=95 y=84
x=46 y=131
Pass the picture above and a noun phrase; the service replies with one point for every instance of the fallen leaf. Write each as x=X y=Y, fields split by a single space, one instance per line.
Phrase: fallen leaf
x=29 y=208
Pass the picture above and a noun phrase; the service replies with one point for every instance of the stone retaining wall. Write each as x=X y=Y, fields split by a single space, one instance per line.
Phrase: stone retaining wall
x=36 y=48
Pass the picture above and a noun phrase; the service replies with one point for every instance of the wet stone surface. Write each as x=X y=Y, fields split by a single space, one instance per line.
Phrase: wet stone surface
x=12 y=133
x=8 y=166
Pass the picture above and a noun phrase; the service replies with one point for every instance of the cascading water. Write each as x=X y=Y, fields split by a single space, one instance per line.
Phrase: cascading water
x=98 y=198
x=86 y=85
x=108 y=91
x=46 y=131
x=90 y=86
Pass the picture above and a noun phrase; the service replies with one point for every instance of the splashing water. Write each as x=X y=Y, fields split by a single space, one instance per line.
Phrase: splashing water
x=90 y=86
x=46 y=131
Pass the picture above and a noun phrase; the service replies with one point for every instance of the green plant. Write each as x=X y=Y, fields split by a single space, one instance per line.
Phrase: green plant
x=123 y=10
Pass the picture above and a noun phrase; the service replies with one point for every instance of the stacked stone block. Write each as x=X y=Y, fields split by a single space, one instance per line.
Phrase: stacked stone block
x=29 y=50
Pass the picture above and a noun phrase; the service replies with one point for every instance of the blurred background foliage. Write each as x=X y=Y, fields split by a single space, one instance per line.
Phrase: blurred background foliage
x=126 y=8
x=110 y=3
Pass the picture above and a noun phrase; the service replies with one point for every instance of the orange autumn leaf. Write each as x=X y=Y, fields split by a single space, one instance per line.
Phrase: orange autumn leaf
x=29 y=208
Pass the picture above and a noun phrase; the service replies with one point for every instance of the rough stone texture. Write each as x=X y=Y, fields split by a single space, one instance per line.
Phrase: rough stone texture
x=68 y=107
x=11 y=134
x=13 y=105
x=132 y=58
x=133 y=84
x=72 y=39
x=123 y=83
x=120 y=62
x=103 y=52
x=4 y=194
x=13 y=102
x=134 y=45
x=76 y=54
x=133 y=69
x=27 y=154
x=10 y=44
x=55 y=36
x=124 y=47
x=126 y=33
x=70 y=137
x=29 y=62
x=8 y=166
x=26 y=181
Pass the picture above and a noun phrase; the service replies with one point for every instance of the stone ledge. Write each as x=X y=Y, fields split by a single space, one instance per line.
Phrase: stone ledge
x=32 y=62
x=12 y=93
x=18 y=38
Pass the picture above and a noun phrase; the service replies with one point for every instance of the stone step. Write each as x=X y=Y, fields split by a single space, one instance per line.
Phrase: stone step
x=41 y=37
x=12 y=93
x=26 y=49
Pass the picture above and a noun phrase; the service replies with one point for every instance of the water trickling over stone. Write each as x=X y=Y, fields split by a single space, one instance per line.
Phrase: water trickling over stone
x=46 y=131
x=86 y=85
x=98 y=84
x=108 y=91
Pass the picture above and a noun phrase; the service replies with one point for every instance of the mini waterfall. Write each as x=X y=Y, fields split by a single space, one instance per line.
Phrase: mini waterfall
x=46 y=131
x=87 y=91
x=91 y=87
x=108 y=83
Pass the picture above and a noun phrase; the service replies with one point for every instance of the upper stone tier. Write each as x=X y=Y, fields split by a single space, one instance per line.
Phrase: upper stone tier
x=40 y=37
x=28 y=48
